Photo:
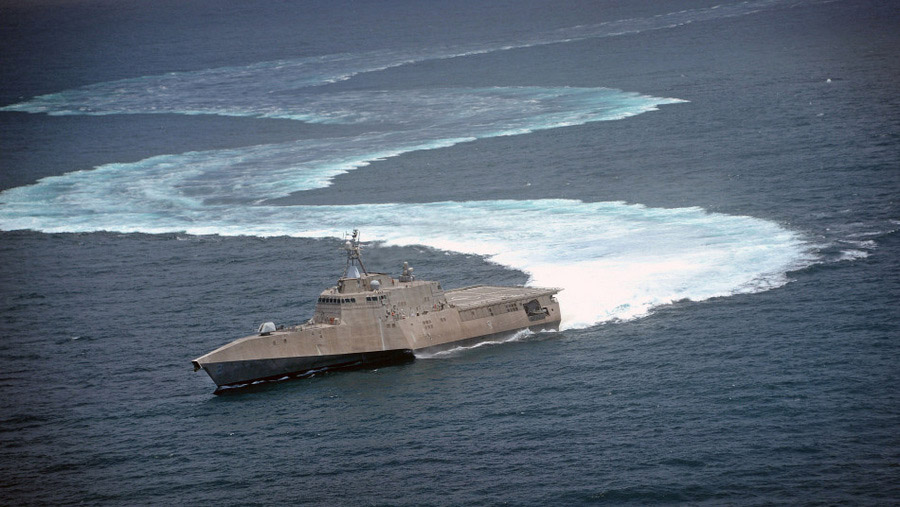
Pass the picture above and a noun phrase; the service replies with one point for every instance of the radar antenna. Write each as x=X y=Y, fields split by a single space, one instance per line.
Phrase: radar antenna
x=351 y=246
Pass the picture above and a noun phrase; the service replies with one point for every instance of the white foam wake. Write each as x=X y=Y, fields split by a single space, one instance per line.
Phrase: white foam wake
x=414 y=120
x=263 y=89
x=452 y=351
x=612 y=260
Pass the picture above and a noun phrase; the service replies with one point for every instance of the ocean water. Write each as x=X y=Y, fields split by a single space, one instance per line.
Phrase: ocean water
x=713 y=184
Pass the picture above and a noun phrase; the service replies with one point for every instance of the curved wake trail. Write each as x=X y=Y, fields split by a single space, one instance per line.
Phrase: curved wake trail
x=262 y=89
x=614 y=261
x=412 y=120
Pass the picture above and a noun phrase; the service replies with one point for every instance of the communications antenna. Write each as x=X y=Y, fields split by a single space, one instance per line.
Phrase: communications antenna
x=351 y=246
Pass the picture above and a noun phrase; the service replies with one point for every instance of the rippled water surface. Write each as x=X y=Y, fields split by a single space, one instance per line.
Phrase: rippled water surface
x=713 y=186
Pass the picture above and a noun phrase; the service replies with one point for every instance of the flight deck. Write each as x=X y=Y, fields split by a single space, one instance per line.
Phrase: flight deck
x=483 y=295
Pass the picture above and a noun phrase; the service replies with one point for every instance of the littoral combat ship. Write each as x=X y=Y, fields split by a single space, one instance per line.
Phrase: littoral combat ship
x=371 y=319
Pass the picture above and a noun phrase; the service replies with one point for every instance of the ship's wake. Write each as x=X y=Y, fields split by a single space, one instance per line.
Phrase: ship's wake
x=614 y=261
x=459 y=349
x=269 y=89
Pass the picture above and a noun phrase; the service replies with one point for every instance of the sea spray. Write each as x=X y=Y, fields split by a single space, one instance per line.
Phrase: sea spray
x=457 y=349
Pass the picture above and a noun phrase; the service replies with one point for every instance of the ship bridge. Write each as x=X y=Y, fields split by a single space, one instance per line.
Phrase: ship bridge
x=360 y=295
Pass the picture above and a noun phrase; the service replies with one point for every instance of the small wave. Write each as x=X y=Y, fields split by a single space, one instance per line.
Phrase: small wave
x=518 y=335
x=852 y=255
x=867 y=244
x=870 y=234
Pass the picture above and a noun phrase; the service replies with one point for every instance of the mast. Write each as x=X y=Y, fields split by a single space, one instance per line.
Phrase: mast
x=351 y=246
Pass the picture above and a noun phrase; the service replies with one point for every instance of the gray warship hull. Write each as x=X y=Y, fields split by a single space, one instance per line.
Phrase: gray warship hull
x=370 y=319
x=236 y=373
x=469 y=315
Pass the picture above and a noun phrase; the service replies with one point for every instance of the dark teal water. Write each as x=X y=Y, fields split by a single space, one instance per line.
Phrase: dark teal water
x=733 y=339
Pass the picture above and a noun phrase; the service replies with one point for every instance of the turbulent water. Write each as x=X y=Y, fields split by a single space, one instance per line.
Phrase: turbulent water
x=712 y=186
